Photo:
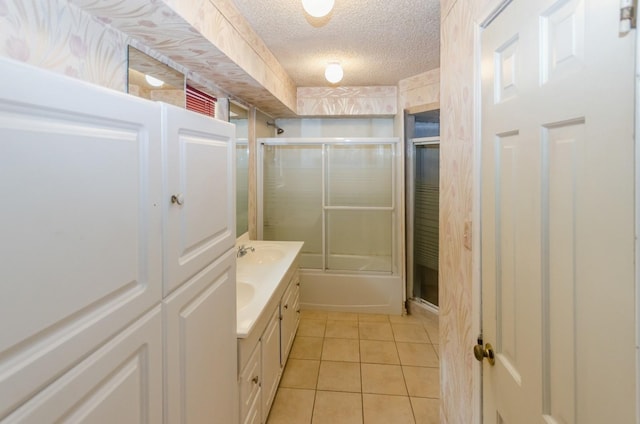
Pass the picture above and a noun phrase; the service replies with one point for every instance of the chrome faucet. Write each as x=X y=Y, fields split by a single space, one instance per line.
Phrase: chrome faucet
x=242 y=250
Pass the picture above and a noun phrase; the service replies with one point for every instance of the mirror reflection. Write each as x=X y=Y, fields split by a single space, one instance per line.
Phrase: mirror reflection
x=151 y=79
x=239 y=116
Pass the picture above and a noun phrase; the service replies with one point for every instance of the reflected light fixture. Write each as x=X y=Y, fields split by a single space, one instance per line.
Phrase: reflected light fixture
x=333 y=73
x=317 y=8
x=154 y=82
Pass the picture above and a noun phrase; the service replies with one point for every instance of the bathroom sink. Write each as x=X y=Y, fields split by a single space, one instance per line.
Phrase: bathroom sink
x=265 y=255
x=244 y=294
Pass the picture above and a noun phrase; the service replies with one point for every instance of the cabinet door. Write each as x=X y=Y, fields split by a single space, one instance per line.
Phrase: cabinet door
x=270 y=362
x=201 y=347
x=199 y=157
x=80 y=246
x=121 y=382
x=250 y=386
x=290 y=317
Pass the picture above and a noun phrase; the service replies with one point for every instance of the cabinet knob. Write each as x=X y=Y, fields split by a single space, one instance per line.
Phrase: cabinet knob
x=298 y=284
x=177 y=198
x=286 y=306
x=255 y=380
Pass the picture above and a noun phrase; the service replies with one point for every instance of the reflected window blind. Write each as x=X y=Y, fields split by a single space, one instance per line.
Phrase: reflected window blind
x=201 y=102
x=427 y=192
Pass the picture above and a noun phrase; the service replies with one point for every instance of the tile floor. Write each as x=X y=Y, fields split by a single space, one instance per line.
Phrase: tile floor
x=347 y=368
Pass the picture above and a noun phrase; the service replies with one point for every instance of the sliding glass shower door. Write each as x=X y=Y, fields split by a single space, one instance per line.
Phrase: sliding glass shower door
x=336 y=196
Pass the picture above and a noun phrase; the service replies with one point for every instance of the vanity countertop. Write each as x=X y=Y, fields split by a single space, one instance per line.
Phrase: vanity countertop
x=262 y=275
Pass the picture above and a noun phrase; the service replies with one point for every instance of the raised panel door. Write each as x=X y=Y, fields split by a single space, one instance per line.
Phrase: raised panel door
x=201 y=347
x=199 y=192
x=81 y=251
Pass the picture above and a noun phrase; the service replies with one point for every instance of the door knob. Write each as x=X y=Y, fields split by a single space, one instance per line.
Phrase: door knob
x=177 y=198
x=484 y=352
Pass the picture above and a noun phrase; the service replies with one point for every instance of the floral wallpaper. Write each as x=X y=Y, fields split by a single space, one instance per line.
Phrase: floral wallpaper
x=421 y=89
x=347 y=101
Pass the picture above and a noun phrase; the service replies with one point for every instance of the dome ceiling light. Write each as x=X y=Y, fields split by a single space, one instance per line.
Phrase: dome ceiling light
x=154 y=82
x=334 y=72
x=317 y=8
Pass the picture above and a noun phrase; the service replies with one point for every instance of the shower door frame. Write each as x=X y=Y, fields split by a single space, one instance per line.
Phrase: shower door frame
x=410 y=190
x=393 y=142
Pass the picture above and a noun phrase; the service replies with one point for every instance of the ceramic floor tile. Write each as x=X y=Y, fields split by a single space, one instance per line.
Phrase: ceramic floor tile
x=422 y=381
x=383 y=379
x=342 y=316
x=341 y=350
x=405 y=319
x=436 y=347
x=417 y=354
x=373 y=318
x=378 y=352
x=306 y=348
x=385 y=409
x=342 y=329
x=300 y=374
x=313 y=314
x=339 y=376
x=375 y=331
x=433 y=329
x=426 y=411
x=412 y=333
x=292 y=406
x=337 y=408
x=311 y=328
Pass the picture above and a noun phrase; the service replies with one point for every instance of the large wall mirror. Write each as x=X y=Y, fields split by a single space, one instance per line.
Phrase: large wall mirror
x=239 y=116
x=151 y=79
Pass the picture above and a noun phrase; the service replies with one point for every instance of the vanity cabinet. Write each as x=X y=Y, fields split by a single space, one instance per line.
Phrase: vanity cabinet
x=90 y=334
x=271 y=341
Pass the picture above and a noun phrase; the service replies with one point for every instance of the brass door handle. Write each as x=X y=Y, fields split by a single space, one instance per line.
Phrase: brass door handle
x=484 y=352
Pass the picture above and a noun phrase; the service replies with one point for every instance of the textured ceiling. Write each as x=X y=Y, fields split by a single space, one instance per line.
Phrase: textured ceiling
x=378 y=42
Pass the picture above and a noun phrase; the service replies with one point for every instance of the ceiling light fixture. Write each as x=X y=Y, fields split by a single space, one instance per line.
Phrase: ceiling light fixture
x=317 y=8
x=154 y=82
x=333 y=73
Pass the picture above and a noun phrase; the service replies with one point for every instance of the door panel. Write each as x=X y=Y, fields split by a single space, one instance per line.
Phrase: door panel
x=557 y=214
x=80 y=246
x=199 y=156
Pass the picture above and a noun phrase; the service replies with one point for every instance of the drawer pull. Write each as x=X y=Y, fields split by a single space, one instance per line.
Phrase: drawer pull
x=298 y=311
x=255 y=380
x=298 y=284
x=286 y=306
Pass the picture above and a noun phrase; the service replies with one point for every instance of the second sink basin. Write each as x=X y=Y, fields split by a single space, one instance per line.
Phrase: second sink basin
x=244 y=294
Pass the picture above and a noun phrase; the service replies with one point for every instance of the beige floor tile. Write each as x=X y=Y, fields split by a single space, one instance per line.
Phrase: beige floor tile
x=306 y=348
x=311 y=328
x=383 y=379
x=436 y=347
x=300 y=374
x=292 y=406
x=417 y=354
x=433 y=329
x=422 y=381
x=405 y=319
x=385 y=409
x=412 y=333
x=342 y=329
x=313 y=314
x=341 y=350
x=426 y=411
x=337 y=408
x=378 y=352
x=373 y=318
x=339 y=376
x=375 y=331
x=342 y=316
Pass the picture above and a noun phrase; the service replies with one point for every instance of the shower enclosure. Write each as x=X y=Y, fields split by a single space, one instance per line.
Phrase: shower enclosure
x=339 y=196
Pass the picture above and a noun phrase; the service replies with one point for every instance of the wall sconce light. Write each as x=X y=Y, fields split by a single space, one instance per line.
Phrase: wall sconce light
x=333 y=73
x=317 y=8
x=154 y=82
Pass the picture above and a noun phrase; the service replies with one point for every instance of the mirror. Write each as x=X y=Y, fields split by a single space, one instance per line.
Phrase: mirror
x=151 y=79
x=239 y=116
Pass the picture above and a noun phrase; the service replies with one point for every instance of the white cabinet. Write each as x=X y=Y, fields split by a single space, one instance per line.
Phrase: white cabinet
x=81 y=249
x=271 y=342
x=87 y=175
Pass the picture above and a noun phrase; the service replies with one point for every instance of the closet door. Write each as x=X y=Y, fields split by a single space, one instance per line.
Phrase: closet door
x=80 y=246
x=199 y=192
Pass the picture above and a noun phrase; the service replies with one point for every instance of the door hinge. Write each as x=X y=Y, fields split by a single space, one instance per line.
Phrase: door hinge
x=628 y=12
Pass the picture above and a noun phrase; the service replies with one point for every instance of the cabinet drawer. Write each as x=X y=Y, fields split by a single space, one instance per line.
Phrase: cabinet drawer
x=250 y=389
x=253 y=417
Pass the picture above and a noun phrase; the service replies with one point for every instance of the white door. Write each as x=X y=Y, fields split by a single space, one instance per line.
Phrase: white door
x=199 y=192
x=201 y=374
x=80 y=246
x=558 y=214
